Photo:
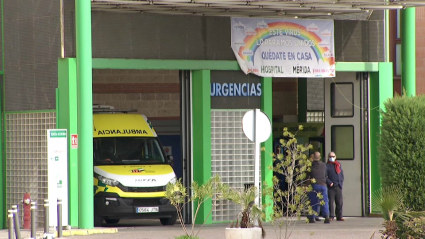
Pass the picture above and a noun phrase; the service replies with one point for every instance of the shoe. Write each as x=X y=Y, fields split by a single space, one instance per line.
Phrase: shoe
x=317 y=219
x=340 y=219
x=327 y=220
x=311 y=220
x=331 y=218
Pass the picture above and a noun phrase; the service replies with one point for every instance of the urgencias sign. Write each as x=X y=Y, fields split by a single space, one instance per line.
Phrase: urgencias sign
x=236 y=89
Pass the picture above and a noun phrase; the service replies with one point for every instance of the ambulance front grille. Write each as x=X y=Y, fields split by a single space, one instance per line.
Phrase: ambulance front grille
x=142 y=189
x=142 y=201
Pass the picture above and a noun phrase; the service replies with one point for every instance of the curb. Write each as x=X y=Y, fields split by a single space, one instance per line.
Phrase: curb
x=84 y=232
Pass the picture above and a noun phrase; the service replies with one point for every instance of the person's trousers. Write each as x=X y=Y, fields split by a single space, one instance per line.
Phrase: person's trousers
x=315 y=201
x=335 y=197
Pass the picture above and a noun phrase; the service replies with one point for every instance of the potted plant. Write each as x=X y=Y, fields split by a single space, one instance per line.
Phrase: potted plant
x=248 y=223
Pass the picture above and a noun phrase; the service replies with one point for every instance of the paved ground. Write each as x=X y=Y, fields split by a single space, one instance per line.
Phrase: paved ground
x=352 y=228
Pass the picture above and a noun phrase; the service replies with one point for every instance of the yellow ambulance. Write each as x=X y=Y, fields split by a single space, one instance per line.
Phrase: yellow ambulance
x=131 y=170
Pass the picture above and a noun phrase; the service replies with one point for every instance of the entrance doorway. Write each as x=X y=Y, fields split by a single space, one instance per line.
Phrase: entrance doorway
x=343 y=135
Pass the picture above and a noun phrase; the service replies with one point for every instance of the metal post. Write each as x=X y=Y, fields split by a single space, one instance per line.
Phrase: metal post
x=59 y=217
x=83 y=45
x=33 y=222
x=16 y=222
x=256 y=157
x=10 y=220
x=46 y=216
x=408 y=50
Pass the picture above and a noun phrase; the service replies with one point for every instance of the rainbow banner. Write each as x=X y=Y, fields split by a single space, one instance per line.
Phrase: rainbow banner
x=284 y=47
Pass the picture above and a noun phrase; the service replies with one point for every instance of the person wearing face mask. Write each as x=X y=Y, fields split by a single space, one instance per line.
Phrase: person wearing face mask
x=335 y=182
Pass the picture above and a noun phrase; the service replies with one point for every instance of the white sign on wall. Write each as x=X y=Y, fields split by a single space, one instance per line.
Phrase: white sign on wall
x=57 y=166
x=284 y=47
x=168 y=150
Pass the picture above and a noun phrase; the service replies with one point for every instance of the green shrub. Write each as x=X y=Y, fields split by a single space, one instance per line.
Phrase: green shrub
x=415 y=228
x=402 y=149
x=410 y=224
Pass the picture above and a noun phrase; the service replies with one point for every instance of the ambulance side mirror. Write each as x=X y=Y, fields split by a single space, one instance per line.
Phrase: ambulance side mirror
x=170 y=159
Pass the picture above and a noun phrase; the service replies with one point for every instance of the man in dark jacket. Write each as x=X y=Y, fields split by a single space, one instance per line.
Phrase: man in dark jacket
x=335 y=182
x=318 y=172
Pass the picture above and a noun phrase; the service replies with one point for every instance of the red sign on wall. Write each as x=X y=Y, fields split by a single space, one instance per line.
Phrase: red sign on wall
x=74 y=141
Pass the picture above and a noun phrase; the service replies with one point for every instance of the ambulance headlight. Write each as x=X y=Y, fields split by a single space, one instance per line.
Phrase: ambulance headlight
x=108 y=181
x=173 y=180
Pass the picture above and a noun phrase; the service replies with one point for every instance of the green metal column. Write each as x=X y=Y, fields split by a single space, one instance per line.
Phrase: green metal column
x=408 y=50
x=85 y=113
x=266 y=155
x=3 y=186
x=302 y=100
x=67 y=119
x=3 y=204
x=381 y=89
x=201 y=114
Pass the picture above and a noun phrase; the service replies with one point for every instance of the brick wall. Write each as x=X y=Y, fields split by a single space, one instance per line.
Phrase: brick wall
x=154 y=93
x=420 y=50
x=285 y=97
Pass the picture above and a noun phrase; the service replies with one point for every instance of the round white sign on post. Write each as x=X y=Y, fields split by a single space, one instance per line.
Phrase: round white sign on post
x=262 y=125
x=257 y=128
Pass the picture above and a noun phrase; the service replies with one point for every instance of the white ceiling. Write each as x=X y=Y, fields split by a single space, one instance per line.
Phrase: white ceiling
x=332 y=9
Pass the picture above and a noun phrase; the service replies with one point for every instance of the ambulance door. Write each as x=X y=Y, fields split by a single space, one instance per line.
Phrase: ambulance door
x=343 y=135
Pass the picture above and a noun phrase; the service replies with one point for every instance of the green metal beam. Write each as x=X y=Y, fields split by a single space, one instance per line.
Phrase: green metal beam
x=29 y=111
x=67 y=119
x=357 y=66
x=201 y=108
x=156 y=64
x=381 y=89
x=139 y=64
x=266 y=155
x=408 y=51
x=85 y=113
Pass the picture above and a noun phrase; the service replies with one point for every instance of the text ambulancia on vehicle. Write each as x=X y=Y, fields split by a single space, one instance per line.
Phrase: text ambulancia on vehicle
x=131 y=170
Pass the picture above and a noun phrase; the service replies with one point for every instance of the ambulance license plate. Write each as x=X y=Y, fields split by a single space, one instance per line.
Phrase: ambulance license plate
x=146 y=209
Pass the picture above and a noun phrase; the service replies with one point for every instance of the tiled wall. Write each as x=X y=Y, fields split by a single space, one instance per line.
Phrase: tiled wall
x=232 y=158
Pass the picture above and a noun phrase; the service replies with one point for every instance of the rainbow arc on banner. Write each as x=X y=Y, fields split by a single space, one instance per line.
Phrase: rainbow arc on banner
x=264 y=33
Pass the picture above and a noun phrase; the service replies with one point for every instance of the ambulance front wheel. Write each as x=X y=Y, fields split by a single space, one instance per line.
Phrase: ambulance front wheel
x=98 y=220
x=169 y=220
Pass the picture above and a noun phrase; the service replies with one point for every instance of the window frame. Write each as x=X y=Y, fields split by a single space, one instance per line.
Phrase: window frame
x=333 y=142
x=333 y=87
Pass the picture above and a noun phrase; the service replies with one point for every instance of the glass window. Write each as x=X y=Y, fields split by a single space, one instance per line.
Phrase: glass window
x=127 y=150
x=342 y=141
x=398 y=59
x=342 y=99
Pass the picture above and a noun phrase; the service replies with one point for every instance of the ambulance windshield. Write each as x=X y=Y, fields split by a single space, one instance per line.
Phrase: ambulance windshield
x=127 y=150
